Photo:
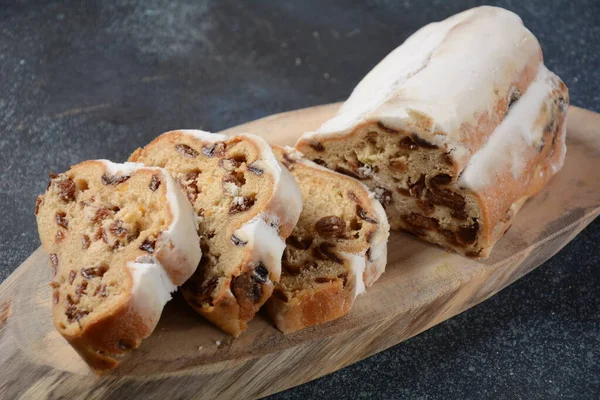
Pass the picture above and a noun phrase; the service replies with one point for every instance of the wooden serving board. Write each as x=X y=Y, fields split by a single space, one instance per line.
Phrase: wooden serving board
x=188 y=358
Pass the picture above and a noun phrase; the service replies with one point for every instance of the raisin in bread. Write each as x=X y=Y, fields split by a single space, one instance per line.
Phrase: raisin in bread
x=248 y=205
x=338 y=247
x=120 y=237
x=453 y=131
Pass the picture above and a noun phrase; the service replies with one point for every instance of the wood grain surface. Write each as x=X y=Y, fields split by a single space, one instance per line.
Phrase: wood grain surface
x=188 y=358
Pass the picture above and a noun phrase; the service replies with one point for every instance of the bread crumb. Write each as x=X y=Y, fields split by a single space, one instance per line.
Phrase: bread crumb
x=218 y=342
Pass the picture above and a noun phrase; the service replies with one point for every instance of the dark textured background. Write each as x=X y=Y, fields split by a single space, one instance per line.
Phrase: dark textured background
x=96 y=79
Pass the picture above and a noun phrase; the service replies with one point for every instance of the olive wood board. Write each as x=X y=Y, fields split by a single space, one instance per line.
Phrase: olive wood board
x=186 y=357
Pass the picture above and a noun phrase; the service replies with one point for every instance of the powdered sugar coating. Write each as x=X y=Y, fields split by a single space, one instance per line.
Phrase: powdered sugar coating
x=446 y=74
x=264 y=242
x=520 y=131
x=376 y=260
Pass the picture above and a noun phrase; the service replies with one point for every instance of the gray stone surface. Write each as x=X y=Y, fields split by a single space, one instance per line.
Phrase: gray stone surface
x=96 y=79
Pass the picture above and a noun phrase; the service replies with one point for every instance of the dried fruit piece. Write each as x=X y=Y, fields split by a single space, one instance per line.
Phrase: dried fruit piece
x=383 y=195
x=352 y=196
x=347 y=172
x=316 y=146
x=246 y=290
x=55 y=296
x=101 y=290
x=446 y=197
x=201 y=289
x=148 y=245
x=236 y=179
x=362 y=214
x=280 y=295
x=117 y=229
x=426 y=206
x=299 y=243
x=54 y=263
x=418 y=188
x=420 y=221
x=103 y=235
x=254 y=169
x=85 y=242
x=261 y=273
x=187 y=151
x=240 y=204
x=60 y=236
x=423 y=143
x=404 y=192
x=154 y=183
x=75 y=313
x=330 y=226
x=407 y=143
x=72 y=275
x=229 y=164
x=189 y=184
x=468 y=235
x=324 y=252
x=217 y=149
x=441 y=179
x=61 y=219
x=115 y=179
x=81 y=289
x=101 y=214
x=66 y=188
x=237 y=241
x=94 y=272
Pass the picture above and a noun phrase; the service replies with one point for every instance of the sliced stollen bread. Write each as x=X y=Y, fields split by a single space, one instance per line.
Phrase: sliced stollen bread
x=454 y=130
x=248 y=204
x=338 y=247
x=120 y=238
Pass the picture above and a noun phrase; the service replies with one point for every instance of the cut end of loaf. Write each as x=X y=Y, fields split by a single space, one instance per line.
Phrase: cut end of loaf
x=246 y=205
x=105 y=226
x=327 y=258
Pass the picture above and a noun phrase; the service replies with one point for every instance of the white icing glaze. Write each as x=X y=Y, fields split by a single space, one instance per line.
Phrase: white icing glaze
x=122 y=168
x=287 y=199
x=388 y=76
x=356 y=263
x=377 y=259
x=563 y=152
x=202 y=135
x=520 y=131
x=151 y=289
x=446 y=72
x=178 y=245
x=263 y=242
